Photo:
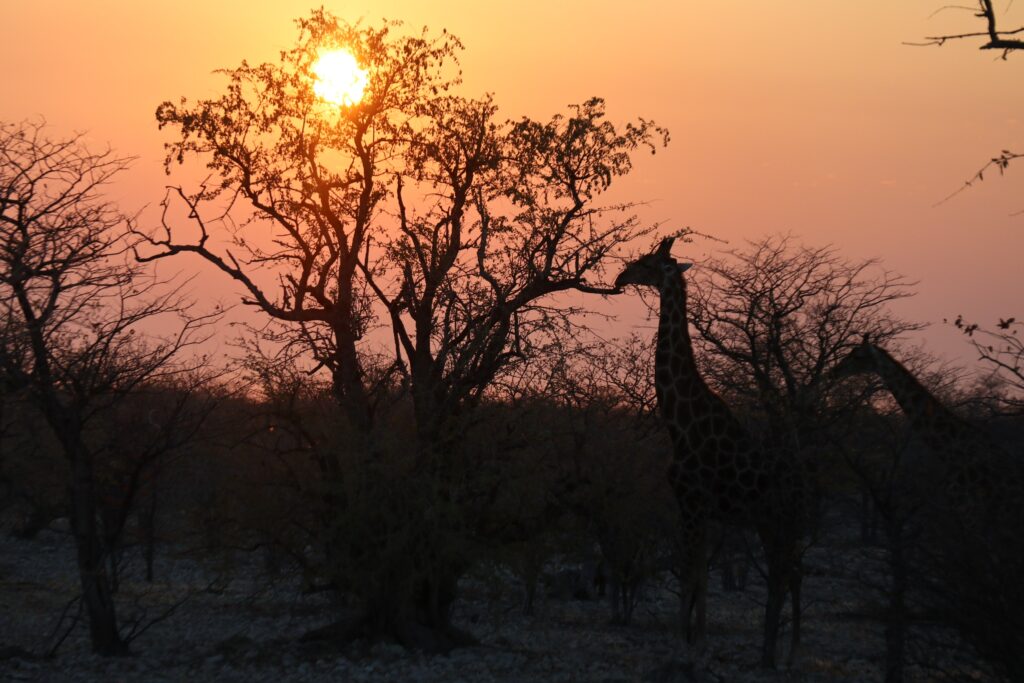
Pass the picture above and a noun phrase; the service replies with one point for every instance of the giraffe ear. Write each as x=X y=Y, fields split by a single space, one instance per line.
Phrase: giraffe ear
x=683 y=267
x=665 y=248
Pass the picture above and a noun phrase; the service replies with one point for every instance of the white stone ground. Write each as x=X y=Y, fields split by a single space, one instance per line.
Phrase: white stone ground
x=234 y=633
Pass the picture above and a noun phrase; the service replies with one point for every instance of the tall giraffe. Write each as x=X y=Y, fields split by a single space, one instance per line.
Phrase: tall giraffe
x=718 y=472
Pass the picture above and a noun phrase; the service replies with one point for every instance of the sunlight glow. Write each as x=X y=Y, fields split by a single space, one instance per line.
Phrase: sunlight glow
x=339 y=79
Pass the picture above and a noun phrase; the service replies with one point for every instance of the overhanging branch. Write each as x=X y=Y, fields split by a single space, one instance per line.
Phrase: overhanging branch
x=997 y=40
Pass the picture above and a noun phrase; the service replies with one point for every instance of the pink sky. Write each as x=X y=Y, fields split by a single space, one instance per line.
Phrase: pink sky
x=809 y=118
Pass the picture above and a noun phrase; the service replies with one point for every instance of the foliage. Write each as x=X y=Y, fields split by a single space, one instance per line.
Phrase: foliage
x=71 y=305
x=459 y=225
x=1001 y=351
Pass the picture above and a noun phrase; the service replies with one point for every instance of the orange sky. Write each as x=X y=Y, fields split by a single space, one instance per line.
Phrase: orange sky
x=789 y=115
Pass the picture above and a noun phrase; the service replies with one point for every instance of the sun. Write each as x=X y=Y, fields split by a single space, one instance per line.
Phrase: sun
x=339 y=79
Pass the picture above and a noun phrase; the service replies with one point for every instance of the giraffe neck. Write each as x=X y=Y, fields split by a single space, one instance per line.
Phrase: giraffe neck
x=932 y=421
x=675 y=348
x=677 y=379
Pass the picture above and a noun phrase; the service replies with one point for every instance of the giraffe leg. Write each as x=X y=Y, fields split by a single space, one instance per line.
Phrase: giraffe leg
x=693 y=589
x=795 y=582
x=773 y=607
x=688 y=591
x=702 y=595
x=773 y=613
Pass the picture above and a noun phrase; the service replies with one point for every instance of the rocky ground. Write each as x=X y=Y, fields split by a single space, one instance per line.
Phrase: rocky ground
x=232 y=627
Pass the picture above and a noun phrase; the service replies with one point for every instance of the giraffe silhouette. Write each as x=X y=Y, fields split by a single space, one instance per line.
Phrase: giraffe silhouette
x=719 y=473
x=968 y=511
x=969 y=474
x=938 y=427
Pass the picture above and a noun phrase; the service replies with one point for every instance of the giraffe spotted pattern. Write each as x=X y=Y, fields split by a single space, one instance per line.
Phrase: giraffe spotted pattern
x=719 y=473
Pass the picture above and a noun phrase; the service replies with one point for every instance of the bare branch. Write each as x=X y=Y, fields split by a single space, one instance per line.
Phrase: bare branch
x=997 y=39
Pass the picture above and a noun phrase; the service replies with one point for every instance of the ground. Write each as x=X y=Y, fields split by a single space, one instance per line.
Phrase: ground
x=231 y=630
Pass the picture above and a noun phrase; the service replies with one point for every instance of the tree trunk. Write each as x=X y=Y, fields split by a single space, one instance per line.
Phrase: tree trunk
x=896 y=619
x=39 y=517
x=92 y=567
x=868 y=517
x=148 y=523
x=414 y=584
x=347 y=376
x=421 y=623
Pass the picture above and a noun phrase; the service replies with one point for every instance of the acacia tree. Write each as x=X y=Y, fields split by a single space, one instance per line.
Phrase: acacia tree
x=1001 y=349
x=415 y=209
x=511 y=220
x=72 y=303
x=775 y=317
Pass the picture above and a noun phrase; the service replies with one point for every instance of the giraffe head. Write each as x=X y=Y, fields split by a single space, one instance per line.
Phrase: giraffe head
x=653 y=269
x=863 y=358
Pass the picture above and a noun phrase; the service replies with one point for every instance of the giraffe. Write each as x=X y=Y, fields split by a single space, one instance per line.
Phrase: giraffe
x=968 y=471
x=938 y=427
x=718 y=471
x=968 y=503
